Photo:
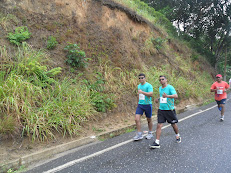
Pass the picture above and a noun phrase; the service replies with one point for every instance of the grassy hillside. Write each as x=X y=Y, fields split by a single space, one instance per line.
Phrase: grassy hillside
x=64 y=66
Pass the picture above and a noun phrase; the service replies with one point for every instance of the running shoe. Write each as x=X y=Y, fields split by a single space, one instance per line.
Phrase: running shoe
x=155 y=145
x=149 y=136
x=178 y=140
x=222 y=118
x=138 y=137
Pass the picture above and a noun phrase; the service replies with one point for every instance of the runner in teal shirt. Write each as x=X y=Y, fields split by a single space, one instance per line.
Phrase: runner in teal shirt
x=145 y=100
x=145 y=93
x=169 y=90
x=166 y=111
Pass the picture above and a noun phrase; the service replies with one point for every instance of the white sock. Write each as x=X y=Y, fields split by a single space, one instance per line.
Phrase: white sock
x=177 y=135
x=157 y=141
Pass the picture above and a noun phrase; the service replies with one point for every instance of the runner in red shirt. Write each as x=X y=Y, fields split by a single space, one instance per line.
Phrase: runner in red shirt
x=220 y=87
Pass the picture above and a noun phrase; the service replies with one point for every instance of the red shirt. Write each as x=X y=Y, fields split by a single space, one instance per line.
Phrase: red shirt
x=221 y=86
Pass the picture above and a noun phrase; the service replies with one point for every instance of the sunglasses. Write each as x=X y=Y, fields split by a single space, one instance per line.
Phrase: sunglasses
x=217 y=77
x=161 y=79
x=141 y=77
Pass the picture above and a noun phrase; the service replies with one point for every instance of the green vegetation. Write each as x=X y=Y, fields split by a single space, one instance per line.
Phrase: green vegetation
x=21 y=34
x=51 y=42
x=100 y=100
x=97 y=130
x=211 y=41
x=130 y=130
x=37 y=101
x=75 y=57
x=5 y=20
x=21 y=169
x=158 y=42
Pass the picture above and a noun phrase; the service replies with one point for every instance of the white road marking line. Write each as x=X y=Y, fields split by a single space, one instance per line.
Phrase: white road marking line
x=86 y=157
x=59 y=168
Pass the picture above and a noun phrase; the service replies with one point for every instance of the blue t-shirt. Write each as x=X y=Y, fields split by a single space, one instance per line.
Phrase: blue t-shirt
x=145 y=100
x=169 y=90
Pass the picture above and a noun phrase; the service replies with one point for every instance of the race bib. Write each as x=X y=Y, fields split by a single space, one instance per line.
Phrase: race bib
x=219 y=91
x=141 y=97
x=163 y=100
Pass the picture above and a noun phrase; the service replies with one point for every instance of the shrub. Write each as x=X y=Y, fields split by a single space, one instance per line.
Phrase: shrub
x=75 y=57
x=101 y=101
x=21 y=34
x=51 y=42
x=30 y=67
x=157 y=42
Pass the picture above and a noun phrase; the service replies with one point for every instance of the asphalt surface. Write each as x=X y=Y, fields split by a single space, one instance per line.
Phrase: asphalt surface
x=205 y=148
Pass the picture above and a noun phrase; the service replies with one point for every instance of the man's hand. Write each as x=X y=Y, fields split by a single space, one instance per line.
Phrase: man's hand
x=164 y=95
x=140 y=92
x=156 y=100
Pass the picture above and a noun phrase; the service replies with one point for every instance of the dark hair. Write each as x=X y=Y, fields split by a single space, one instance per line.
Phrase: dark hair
x=142 y=74
x=163 y=76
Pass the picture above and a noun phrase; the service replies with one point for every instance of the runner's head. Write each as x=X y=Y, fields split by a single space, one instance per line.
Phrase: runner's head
x=142 y=78
x=219 y=77
x=163 y=80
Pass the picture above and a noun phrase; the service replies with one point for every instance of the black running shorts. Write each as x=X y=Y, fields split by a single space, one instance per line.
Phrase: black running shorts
x=167 y=115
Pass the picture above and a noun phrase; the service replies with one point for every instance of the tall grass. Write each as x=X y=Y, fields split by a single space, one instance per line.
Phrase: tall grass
x=121 y=82
x=39 y=112
x=6 y=20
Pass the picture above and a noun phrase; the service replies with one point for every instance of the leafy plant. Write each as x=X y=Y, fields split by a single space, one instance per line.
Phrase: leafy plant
x=51 y=42
x=101 y=101
x=21 y=33
x=16 y=171
x=130 y=130
x=75 y=56
x=194 y=57
x=158 y=42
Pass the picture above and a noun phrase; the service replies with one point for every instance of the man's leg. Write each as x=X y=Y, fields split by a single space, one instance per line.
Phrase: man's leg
x=149 y=135
x=138 y=127
x=149 y=124
x=222 y=111
x=138 y=124
x=219 y=107
x=176 y=130
x=156 y=143
x=158 y=130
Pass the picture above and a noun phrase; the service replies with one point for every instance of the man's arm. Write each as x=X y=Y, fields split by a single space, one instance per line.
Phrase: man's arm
x=174 y=96
x=213 y=90
x=149 y=94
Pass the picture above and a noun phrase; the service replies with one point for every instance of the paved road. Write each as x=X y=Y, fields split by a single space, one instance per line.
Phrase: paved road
x=205 y=148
